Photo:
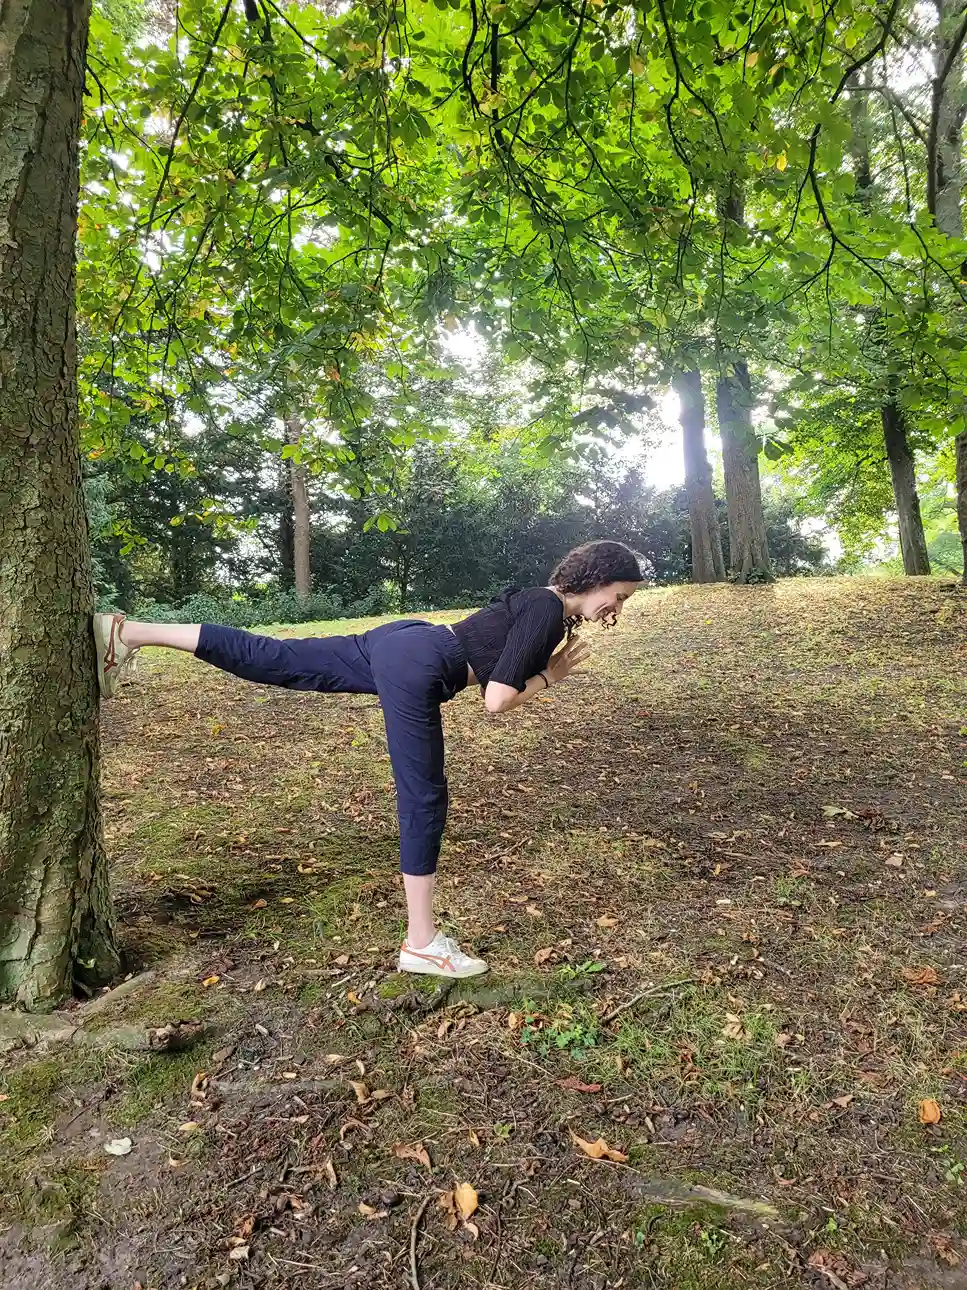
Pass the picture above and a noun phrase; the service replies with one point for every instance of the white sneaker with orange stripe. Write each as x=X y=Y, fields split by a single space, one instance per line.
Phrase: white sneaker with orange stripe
x=442 y=957
x=114 y=658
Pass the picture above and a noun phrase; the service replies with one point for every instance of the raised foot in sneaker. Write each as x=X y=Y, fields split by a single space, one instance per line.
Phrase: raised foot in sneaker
x=114 y=658
x=442 y=957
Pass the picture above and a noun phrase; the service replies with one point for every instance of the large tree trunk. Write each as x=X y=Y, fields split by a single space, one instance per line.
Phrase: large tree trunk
x=748 y=546
x=300 y=515
x=708 y=564
x=55 y=910
x=961 y=450
x=913 y=542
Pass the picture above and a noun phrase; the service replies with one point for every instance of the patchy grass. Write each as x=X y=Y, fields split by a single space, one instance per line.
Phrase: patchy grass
x=720 y=881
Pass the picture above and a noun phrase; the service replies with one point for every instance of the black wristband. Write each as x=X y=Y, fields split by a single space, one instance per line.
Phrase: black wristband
x=547 y=684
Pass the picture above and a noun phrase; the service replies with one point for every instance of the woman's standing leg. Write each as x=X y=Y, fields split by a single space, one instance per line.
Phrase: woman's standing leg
x=410 y=693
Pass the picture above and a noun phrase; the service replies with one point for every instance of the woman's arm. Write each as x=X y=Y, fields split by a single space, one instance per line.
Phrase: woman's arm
x=504 y=698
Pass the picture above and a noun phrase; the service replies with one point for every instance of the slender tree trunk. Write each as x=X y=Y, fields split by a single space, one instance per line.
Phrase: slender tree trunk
x=748 y=546
x=286 y=535
x=301 y=531
x=961 y=449
x=708 y=564
x=55 y=907
x=913 y=542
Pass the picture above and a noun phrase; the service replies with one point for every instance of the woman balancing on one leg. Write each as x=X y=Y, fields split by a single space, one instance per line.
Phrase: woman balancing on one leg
x=507 y=648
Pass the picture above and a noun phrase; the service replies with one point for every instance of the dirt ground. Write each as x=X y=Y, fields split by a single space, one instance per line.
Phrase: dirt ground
x=722 y=883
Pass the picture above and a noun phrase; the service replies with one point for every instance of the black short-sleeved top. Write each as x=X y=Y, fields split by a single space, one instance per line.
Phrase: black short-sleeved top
x=513 y=638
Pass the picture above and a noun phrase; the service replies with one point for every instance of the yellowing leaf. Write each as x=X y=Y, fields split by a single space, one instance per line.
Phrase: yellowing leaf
x=210 y=981
x=752 y=58
x=781 y=161
x=189 y=1126
x=466 y=1200
x=598 y=1150
x=930 y=1112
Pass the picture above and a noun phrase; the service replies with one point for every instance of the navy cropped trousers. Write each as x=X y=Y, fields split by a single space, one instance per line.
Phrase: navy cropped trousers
x=413 y=666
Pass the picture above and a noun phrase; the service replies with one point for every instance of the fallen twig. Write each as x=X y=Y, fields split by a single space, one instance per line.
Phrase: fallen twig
x=645 y=994
x=414 y=1268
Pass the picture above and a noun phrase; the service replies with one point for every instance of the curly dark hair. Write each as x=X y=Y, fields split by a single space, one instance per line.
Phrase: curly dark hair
x=595 y=564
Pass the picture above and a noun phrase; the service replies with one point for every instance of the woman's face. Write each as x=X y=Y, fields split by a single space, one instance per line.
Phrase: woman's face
x=603 y=602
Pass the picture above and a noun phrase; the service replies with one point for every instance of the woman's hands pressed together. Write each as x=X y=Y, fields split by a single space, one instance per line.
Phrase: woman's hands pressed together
x=566 y=661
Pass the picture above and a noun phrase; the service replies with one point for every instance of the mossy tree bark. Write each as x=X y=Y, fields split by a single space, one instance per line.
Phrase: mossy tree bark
x=748 y=545
x=55 y=911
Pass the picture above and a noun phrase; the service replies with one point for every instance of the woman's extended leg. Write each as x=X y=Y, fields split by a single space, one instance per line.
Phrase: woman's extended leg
x=331 y=664
x=172 y=635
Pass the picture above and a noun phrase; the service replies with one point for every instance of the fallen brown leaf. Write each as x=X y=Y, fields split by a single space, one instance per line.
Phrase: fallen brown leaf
x=921 y=975
x=367 y=1211
x=929 y=1111
x=574 y=1084
x=329 y=1170
x=361 y=1090
x=605 y=921
x=944 y=1250
x=733 y=1028
x=413 y=1151
x=843 y=1101
x=598 y=1150
x=542 y=956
